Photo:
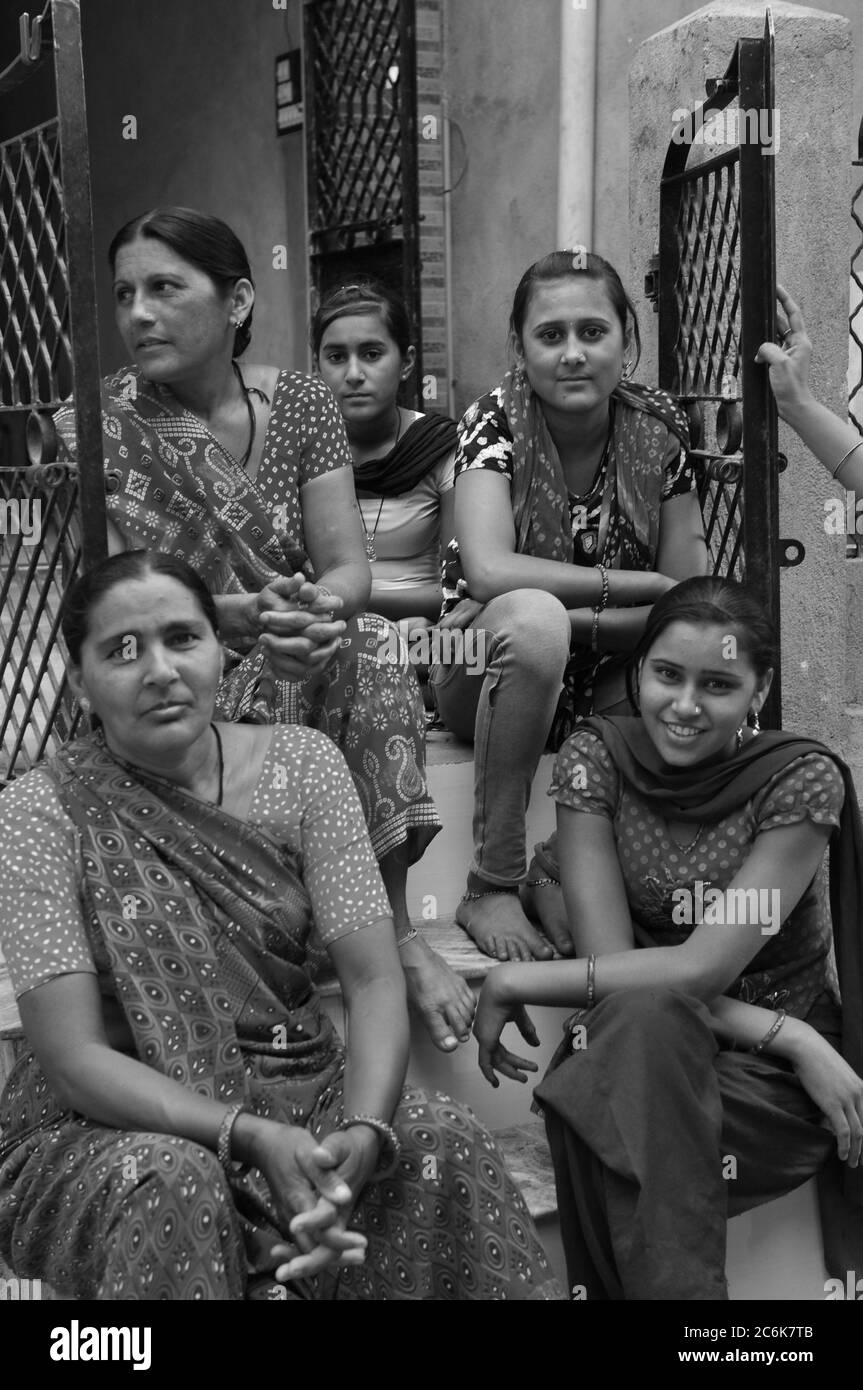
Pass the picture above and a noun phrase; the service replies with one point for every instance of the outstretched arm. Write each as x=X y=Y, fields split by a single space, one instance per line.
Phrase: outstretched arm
x=829 y=438
x=784 y=859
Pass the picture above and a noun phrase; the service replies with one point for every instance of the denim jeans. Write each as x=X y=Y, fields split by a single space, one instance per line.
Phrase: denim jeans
x=507 y=712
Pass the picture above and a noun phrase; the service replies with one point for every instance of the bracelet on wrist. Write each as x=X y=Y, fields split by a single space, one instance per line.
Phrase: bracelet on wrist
x=603 y=601
x=774 y=1027
x=223 y=1140
x=591 y=981
x=407 y=936
x=845 y=457
x=390 y=1150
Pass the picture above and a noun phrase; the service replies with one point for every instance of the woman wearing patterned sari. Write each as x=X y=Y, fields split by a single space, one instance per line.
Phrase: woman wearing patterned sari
x=188 y=1124
x=246 y=474
x=575 y=511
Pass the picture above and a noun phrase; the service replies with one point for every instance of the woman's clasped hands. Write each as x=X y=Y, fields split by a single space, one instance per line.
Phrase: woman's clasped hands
x=314 y=1186
x=300 y=631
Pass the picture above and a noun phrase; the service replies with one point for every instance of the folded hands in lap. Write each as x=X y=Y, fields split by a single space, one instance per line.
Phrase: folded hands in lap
x=300 y=632
x=314 y=1187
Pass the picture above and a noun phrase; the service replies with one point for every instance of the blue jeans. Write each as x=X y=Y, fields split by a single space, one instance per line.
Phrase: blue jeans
x=507 y=712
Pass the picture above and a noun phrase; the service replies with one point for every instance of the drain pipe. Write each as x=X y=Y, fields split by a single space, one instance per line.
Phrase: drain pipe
x=579 y=27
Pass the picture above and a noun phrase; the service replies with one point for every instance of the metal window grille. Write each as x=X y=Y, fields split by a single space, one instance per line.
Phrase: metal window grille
x=51 y=514
x=363 y=191
x=714 y=284
x=855 y=318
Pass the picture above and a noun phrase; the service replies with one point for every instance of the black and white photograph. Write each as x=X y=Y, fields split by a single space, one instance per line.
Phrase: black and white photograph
x=431 y=667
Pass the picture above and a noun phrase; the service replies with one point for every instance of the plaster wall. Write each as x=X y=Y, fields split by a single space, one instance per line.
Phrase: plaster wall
x=814 y=94
x=198 y=76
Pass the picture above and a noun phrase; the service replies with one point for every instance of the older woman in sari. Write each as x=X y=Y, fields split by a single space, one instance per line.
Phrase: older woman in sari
x=246 y=474
x=188 y=1123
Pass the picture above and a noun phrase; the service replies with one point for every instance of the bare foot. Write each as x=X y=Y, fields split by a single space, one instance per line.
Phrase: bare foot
x=497 y=925
x=544 y=904
x=443 y=1000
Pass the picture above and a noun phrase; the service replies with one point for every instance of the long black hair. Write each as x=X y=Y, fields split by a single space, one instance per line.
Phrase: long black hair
x=200 y=238
x=86 y=592
x=708 y=599
x=575 y=264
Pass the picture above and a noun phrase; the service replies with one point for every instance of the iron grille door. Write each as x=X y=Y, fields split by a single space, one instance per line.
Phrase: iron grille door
x=855 y=318
x=361 y=144
x=51 y=512
x=716 y=299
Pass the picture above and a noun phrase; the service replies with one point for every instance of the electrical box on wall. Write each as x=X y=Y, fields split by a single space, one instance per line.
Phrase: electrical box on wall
x=289 y=91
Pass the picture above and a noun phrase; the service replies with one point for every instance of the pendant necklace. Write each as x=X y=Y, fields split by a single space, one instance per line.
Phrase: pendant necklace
x=371 y=552
x=221 y=763
x=248 y=391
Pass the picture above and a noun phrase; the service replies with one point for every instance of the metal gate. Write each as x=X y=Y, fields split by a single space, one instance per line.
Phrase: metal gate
x=361 y=145
x=52 y=514
x=716 y=300
x=855 y=317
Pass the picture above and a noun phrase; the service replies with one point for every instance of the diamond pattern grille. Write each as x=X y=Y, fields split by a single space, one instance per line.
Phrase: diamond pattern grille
x=855 y=323
x=707 y=362
x=356 y=114
x=35 y=353
x=39 y=556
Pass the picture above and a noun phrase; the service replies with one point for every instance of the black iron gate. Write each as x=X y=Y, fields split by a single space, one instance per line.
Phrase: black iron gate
x=855 y=317
x=361 y=145
x=51 y=514
x=716 y=300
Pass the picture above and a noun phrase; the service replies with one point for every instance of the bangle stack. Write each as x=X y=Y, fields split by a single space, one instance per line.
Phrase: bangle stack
x=223 y=1142
x=600 y=608
x=391 y=1148
x=845 y=457
x=777 y=1022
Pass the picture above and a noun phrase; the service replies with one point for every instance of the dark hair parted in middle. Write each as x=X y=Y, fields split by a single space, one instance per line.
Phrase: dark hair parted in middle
x=714 y=600
x=577 y=264
x=86 y=592
x=364 y=296
x=204 y=241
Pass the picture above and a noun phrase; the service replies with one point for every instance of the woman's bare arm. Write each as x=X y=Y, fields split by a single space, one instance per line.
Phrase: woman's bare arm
x=486 y=536
x=335 y=539
x=373 y=987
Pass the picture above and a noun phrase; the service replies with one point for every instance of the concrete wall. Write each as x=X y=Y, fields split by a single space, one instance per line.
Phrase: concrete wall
x=623 y=25
x=198 y=75
x=502 y=80
x=814 y=94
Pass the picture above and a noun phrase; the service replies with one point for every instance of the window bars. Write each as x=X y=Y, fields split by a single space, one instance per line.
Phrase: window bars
x=715 y=287
x=52 y=514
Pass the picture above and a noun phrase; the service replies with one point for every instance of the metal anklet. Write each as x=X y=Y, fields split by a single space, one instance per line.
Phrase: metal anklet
x=541 y=882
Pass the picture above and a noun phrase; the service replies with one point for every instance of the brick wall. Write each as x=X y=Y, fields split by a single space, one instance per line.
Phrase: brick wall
x=434 y=387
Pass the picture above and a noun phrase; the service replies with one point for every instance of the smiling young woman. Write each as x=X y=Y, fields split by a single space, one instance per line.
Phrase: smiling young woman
x=698 y=1033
